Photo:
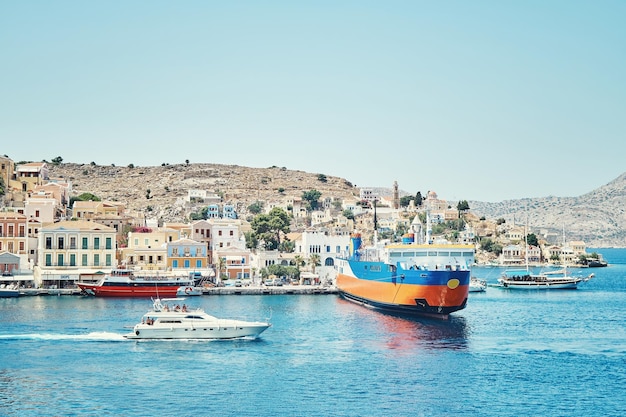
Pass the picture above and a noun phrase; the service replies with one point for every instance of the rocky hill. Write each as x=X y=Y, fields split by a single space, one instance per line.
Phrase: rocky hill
x=598 y=218
x=162 y=188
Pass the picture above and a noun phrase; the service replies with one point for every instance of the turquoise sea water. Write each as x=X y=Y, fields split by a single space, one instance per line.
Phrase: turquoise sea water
x=508 y=353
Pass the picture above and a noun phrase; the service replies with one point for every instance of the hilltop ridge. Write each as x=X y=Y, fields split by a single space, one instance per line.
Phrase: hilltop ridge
x=167 y=184
x=598 y=218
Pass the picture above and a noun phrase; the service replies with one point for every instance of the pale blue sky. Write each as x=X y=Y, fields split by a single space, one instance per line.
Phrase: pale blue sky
x=476 y=100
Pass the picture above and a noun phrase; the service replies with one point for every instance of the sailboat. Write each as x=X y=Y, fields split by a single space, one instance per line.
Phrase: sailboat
x=523 y=279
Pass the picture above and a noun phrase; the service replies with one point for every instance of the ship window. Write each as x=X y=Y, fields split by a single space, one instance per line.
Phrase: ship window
x=194 y=317
x=420 y=254
x=455 y=253
x=468 y=254
x=444 y=254
x=431 y=253
x=395 y=254
x=408 y=254
x=375 y=268
x=170 y=321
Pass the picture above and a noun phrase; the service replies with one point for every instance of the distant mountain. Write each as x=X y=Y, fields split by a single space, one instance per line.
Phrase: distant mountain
x=598 y=218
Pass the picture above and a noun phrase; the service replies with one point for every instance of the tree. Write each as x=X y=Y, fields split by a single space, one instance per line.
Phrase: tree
x=299 y=262
x=314 y=260
x=2 y=186
x=418 y=199
x=406 y=200
x=268 y=227
x=532 y=240
x=57 y=160
x=489 y=245
x=84 y=197
x=251 y=240
x=463 y=206
x=221 y=268
x=322 y=178
x=256 y=207
x=348 y=214
x=311 y=197
x=187 y=162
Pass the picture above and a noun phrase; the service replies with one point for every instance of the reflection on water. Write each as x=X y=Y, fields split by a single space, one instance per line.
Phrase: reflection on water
x=408 y=333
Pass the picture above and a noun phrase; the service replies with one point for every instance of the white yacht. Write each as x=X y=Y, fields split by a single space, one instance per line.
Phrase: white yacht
x=168 y=319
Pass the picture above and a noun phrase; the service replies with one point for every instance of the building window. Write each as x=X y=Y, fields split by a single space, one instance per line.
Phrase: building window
x=73 y=242
x=48 y=259
x=96 y=243
x=186 y=263
x=60 y=243
x=85 y=243
x=72 y=259
x=84 y=260
x=21 y=247
x=36 y=213
x=198 y=263
x=108 y=243
x=232 y=233
x=219 y=233
x=108 y=259
x=96 y=260
x=48 y=242
x=175 y=263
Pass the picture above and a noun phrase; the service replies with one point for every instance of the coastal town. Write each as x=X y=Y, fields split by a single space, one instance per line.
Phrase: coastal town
x=54 y=237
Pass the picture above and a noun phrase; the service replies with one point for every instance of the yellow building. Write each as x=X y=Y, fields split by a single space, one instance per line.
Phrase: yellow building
x=70 y=251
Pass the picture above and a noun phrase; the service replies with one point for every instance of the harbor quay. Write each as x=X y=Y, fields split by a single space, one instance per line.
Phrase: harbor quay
x=230 y=290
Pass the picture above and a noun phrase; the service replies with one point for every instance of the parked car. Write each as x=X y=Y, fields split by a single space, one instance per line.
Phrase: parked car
x=238 y=283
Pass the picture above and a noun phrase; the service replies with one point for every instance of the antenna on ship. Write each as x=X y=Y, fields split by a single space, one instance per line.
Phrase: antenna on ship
x=375 y=225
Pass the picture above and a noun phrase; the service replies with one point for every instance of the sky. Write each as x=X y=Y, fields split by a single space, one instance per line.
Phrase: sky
x=475 y=100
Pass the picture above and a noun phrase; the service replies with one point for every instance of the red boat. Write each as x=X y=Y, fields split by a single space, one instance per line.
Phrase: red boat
x=123 y=283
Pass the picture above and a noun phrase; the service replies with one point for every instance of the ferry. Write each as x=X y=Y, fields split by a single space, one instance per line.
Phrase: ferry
x=124 y=283
x=427 y=279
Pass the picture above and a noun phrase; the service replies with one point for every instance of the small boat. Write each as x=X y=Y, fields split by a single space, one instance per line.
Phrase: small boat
x=124 y=283
x=416 y=278
x=477 y=285
x=524 y=280
x=176 y=322
x=9 y=290
x=188 y=291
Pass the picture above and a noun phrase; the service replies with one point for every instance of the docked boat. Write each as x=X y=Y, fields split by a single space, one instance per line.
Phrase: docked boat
x=9 y=290
x=429 y=279
x=124 y=283
x=173 y=321
x=523 y=279
x=477 y=285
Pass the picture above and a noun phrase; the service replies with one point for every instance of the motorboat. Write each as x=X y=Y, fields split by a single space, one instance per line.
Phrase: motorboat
x=477 y=285
x=168 y=319
x=188 y=291
x=9 y=290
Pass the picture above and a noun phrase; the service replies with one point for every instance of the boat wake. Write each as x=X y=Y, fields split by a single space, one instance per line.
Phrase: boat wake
x=90 y=337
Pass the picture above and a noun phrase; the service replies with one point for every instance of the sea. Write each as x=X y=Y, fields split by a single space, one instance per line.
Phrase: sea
x=509 y=353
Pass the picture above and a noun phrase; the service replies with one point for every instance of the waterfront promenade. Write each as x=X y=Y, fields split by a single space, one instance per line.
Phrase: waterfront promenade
x=230 y=290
